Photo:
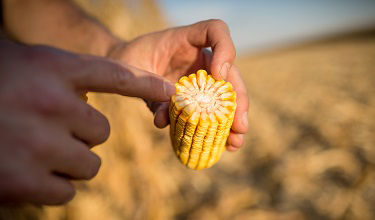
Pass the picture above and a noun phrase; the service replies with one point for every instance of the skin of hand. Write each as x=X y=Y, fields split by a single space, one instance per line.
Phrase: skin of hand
x=46 y=130
x=175 y=52
x=168 y=53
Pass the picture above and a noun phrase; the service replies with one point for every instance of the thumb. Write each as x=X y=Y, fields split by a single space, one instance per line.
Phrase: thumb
x=215 y=34
x=102 y=75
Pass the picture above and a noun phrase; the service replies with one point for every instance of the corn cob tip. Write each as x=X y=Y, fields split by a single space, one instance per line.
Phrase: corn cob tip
x=201 y=115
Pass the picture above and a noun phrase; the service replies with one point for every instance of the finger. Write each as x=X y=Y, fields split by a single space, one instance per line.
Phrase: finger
x=103 y=75
x=161 y=119
x=39 y=187
x=215 y=34
x=153 y=106
x=240 y=123
x=53 y=190
x=160 y=111
x=86 y=123
x=235 y=139
x=64 y=155
x=231 y=148
x=75 y=161
x=28 y=182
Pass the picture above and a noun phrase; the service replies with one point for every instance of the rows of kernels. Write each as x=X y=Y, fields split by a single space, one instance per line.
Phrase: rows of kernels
x=201 y=115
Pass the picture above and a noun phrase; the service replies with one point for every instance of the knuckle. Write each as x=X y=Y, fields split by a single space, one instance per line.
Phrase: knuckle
x=219 y=23
x=119 y=78
x=52 y=102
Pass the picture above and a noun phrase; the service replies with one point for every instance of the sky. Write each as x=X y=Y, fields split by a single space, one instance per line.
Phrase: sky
x=257 y=25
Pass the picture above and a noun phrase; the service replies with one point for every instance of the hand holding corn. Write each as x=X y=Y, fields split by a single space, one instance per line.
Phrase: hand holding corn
x=176 y=51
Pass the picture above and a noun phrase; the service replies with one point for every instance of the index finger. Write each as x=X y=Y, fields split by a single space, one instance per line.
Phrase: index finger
x=102 y=75
x=215 y=34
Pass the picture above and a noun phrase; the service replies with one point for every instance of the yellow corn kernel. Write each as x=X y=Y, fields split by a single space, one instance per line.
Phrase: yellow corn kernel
x=196 y=145
x=201 y=114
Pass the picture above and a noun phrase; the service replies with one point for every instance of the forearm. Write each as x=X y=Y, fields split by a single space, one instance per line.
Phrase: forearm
x=59 y=23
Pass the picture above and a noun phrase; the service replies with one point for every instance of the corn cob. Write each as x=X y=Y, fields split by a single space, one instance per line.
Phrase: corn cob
x=201 y=114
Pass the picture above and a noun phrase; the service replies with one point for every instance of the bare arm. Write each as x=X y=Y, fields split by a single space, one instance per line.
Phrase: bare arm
x=59 y=23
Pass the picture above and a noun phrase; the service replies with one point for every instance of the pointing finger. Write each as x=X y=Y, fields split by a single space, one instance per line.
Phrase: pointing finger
x=101 y=75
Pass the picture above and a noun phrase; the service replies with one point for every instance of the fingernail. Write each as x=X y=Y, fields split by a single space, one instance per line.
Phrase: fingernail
x=224 y=70
x=169 y=89
x=245 y=121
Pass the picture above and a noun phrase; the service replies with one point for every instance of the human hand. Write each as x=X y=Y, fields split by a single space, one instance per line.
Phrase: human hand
x=46 y=130
x=174 y=52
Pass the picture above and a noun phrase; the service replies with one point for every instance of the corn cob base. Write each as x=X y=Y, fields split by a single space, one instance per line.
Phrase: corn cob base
x=201 y=115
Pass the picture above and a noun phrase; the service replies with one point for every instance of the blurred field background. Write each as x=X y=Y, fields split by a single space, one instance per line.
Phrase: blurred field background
x=309 y=153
